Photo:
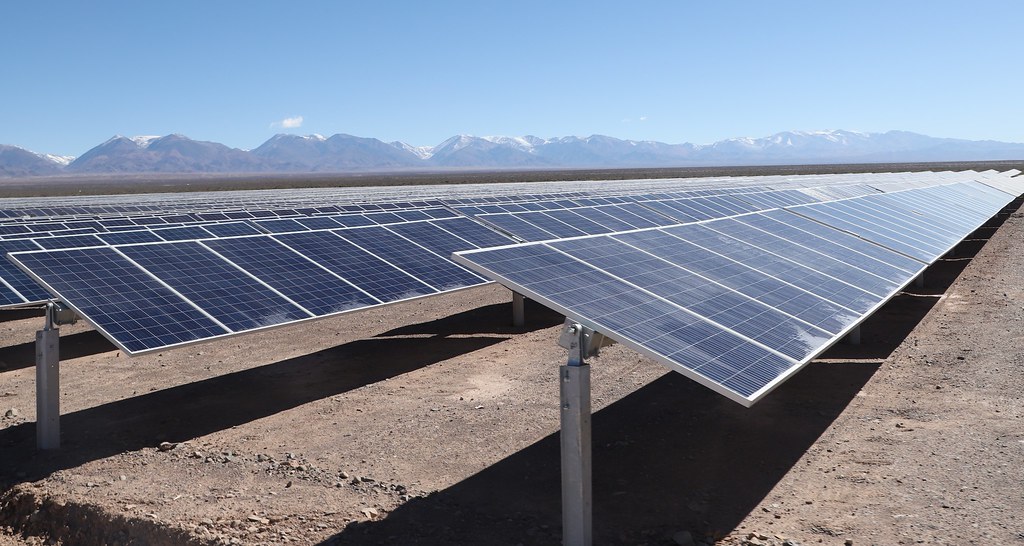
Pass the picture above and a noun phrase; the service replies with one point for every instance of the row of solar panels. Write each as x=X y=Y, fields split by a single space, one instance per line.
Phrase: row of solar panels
x=17 y=289
x=739 y=304
x=153 y=295
x=361 y=200
x=540 y=219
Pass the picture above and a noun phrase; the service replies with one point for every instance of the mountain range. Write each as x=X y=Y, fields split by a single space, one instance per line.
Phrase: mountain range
x=289 y=153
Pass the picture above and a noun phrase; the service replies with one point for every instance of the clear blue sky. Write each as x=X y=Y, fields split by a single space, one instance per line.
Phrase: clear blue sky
x=76 y=73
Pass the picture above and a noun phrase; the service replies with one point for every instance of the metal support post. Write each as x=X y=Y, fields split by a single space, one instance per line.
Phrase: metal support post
x=919 y=281
x=853 y=337
x=48 y=384
x=577 y=501
x=518 y=310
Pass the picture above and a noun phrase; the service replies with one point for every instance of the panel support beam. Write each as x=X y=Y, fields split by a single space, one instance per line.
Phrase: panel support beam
x=48 y=384
x=518 y=310
x=577 y=492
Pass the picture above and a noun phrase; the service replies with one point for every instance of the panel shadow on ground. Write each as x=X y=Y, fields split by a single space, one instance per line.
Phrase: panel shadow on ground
x=672 y=451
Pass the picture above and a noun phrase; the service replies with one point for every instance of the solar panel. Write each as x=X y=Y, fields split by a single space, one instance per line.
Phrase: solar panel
x=789 y=281
x=126 y=237
x=292 y=274
x=132 y=308
x=438 y=272
x=234 y=299
x=715 y=357
x=373 y=275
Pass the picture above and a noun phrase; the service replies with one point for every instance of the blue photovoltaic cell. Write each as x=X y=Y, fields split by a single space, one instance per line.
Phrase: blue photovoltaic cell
x=914 y=229
x=291 y=274
x=518 y=227
x=17 y=278
x=796 y=272
x=699 y=208
x=439 y=213
x=384 y=217
x=318 y=222
x=186 y=233
x=885 y=263
x=899 y=242
x=280 y=226
x=639 y=215
x=230 y=296
x=46 y=227
x=13 y=230
x=609 y=217
x=550 y=224
x=69 y=241
x=765 y=200
x=353 y=220
x=786 y=250
x=128 y=237
x=377 y=277
x=938 y=206
x=473 y=232
x=231 y=229
x=796 y=227
x=415 y=260
x=585 y=225
x=615 y=308
x=116 y=222
x=768 y=290
x=675 y=212
x=412 y=215
x=725 y=307
x=432 y=237
x=213 y=217
x=8 y=297
x=120 y=299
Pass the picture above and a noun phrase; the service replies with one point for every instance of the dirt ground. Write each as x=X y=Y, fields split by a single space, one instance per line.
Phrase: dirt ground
x=436 y=422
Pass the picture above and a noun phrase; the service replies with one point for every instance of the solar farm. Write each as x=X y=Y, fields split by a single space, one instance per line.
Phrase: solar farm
x=488 y=305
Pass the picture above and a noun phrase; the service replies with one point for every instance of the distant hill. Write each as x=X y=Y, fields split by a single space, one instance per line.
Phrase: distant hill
x=287 y=153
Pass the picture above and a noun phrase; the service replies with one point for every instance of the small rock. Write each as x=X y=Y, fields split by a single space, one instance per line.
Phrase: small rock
x=166 y=446
x=207 y=522
x=343 y=475
x=12 y=413
x=370 y=512
x=122 y=477
x=257 y=519
x=683 y=538
x=790 y=542
x=849 y=542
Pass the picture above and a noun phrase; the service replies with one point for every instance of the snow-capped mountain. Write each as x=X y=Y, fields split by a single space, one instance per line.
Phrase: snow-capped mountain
x=286 y=153
x=168 y=154
x=314 y=153
x=16 y=161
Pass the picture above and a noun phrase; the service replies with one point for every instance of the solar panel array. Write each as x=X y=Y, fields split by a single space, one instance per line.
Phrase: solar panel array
x=750 y=269
x=741 y=303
